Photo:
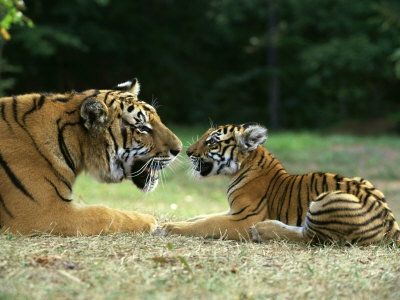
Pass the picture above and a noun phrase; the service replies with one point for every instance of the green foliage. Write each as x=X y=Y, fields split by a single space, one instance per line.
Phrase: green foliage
x=11 y=13
x=339 y=60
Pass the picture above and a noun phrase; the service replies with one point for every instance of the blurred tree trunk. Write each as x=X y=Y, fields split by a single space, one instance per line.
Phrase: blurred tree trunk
x=2 y=43
x=273 y=65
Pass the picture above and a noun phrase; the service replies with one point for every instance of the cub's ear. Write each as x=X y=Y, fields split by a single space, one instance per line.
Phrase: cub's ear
x=252 y=136
x=95 y=114
x=131 y=86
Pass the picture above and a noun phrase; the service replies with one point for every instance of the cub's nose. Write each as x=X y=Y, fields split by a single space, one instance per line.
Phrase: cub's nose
x=189 y=152
x=175 y=152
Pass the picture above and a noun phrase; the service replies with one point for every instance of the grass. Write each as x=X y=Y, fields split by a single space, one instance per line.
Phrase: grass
x=142 y=266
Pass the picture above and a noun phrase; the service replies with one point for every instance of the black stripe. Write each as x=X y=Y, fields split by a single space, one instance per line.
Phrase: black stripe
x=71 y=112
x=270 y=162
x=290 y=200
x=335 y=201
x=106 y=96
x=61 y=99
x=242 y=176
x=114 y=140
x=312 y=180
x=3 y=115
x=41 y=101
x=233 y=200
x=57 y=192
x=338 y=179
x=124 y=136
x=29 y=111
x=221 y=154
x=5 y=208
x=261 y=159
x=317 y=233
x=377 y=216
x=240 y=211
x=282 y=199
x=95 y=93
x=299 y=203
x=246 y=217
x=316 y=185
x=389 y=226
x=259 y=204
x=324 y=183
x=368 y=237
x=15 y=111
x=18 y=184
x=348 y=187
x=63 y=147
x=107 y=155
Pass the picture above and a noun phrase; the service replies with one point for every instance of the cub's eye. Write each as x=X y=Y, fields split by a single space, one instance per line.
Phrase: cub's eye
x=212 y=141
x=143 y=129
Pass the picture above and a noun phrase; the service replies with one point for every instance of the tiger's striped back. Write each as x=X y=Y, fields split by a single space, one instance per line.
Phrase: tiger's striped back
x=294 y=200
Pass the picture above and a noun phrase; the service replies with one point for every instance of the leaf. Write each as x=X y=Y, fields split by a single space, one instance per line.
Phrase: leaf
x=5 y=34
x=159 y=259
x=183 y=260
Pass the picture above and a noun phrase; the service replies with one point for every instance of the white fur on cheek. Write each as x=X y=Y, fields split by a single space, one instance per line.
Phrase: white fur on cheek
x=117 y=172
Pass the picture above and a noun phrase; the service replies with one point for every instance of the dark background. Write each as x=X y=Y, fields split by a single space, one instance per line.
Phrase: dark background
x=289 y=64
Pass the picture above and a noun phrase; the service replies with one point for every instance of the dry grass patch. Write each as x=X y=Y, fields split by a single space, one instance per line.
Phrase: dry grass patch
x=155 y=267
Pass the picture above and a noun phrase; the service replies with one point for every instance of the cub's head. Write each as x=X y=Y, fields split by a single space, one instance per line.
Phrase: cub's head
x=128 y=139
x=221 y=150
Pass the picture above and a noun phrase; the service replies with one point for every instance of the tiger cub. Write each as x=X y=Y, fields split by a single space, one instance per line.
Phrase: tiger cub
x=47 y=140
x=266 y=202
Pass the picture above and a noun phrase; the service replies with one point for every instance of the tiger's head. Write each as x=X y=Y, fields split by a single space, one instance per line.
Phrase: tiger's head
x=137 y=144
x=221 y=150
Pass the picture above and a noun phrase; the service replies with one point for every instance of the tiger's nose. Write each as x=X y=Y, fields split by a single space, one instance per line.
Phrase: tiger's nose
x=175 y=152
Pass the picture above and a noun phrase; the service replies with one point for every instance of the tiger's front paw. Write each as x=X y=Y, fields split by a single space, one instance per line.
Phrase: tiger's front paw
x=266 y=230
x=142 y=222
x=175 y=228
x=150 y=223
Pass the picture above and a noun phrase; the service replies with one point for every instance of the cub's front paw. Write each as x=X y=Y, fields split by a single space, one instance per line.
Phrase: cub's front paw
x=254 y=234
x=158 y=231
x=175 y=228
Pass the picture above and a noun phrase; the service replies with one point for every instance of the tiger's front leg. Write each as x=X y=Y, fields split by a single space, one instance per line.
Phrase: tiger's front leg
x=70 y=219
x=227 y=227
x=207 y=216
x=274 y=229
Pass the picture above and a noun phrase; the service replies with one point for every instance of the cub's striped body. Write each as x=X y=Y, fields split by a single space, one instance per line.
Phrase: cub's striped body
x=267 y=202
x=47 y=140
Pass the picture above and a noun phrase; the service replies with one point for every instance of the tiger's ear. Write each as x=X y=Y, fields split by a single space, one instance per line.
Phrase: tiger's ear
x=131 y=86
x=95 y=114
x=252 y=136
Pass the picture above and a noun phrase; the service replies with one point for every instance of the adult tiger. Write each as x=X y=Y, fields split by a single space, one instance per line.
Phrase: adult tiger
x=47 y=140
x=312 y=207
